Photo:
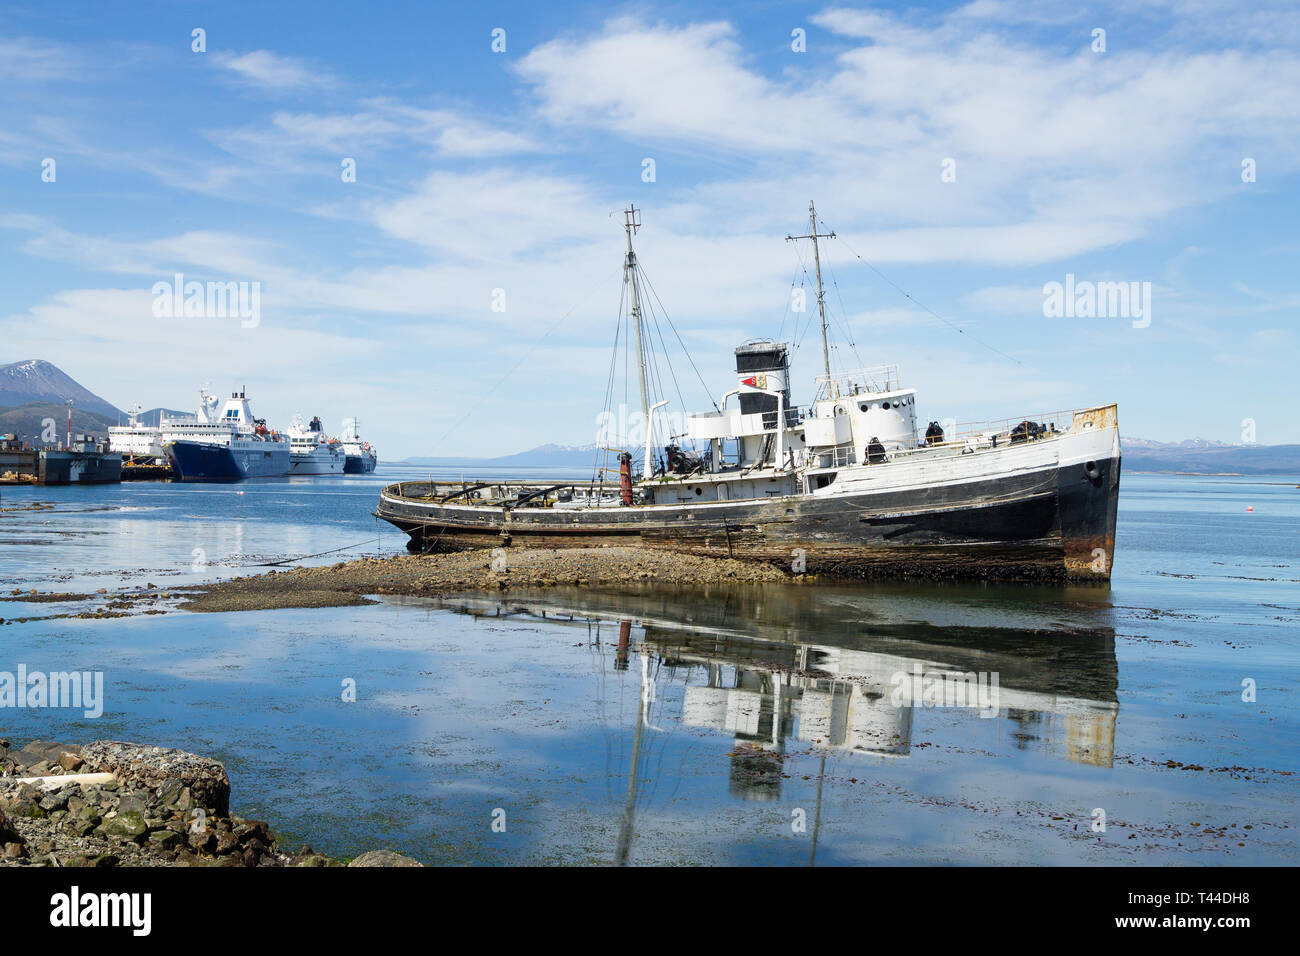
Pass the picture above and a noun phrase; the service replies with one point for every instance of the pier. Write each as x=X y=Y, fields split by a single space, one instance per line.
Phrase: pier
x=137 y=468
x=84 y=461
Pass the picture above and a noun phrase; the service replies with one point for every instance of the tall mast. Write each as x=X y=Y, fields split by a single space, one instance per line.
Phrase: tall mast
x=631 y=225
x=814 y=235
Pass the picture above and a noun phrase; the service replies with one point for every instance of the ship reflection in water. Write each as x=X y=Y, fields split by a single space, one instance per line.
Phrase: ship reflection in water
x=814 y=672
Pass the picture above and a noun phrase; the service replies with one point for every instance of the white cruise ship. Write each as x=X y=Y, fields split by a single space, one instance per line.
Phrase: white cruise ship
x=361 y=458
x=311 y=452
x=224 y=446
x=134 y=439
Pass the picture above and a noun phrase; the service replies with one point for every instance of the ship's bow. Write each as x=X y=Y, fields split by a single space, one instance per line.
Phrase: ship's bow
x=1089 y=493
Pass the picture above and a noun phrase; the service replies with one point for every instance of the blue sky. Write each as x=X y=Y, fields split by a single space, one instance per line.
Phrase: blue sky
x=479 y=170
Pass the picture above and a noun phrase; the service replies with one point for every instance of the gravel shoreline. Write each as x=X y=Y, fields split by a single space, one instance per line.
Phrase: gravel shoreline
x=348 y=583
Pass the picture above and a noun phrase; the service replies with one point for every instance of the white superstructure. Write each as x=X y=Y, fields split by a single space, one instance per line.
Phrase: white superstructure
x=225 y=445
x=360 y=457
x=135 y=439
x=311 y=452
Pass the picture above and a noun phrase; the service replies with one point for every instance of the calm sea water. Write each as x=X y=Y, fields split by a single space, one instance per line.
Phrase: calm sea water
x=788 y=725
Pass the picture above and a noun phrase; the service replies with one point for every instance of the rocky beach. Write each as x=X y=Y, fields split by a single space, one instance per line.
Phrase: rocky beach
x=146 y=806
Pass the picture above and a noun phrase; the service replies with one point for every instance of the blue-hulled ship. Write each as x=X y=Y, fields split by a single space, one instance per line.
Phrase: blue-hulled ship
x=361 y=458
x=229 y=445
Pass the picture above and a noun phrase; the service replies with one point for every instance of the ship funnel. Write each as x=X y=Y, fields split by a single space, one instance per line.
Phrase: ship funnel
x=762 y=364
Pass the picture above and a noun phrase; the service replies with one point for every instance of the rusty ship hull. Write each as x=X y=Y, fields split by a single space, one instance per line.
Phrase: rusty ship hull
x=1053 y=523
x=855 y=484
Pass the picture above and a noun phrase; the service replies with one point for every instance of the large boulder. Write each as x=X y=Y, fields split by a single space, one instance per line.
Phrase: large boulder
x=40 y=752
x=127 y=827
x=151 y=768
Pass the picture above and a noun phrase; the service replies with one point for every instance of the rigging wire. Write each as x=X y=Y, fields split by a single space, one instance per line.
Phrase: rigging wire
x=506 y=377
x=685 y=350
x=681 y=399
x=676 y=386
x=905 y=294
x=597 y=468
x=807 y=282
x=843 y=319
x=789 y=302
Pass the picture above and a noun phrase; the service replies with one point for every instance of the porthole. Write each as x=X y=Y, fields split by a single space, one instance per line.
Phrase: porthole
x=885 y=405
x=864 y=406
x=699 y=491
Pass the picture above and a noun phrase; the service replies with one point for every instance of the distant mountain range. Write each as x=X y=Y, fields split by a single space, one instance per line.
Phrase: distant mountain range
x=1203 y=457
x=543 y=456
x=1193 y=456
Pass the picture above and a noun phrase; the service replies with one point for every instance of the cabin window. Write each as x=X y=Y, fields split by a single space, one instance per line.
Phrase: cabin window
x=885 y=405
x=773 y=361
x=865 y=406
x=699 y=491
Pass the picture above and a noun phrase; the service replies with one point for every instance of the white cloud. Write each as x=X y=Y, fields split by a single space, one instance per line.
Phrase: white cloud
x=26 y=61
x=1055 y=155
x=272 y=71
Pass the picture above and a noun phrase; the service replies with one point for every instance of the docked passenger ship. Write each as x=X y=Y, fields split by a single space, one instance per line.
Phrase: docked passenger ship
x=134 y=439
x=225 y=445
x=311 y=452
x=850 y=485
x=360 y=456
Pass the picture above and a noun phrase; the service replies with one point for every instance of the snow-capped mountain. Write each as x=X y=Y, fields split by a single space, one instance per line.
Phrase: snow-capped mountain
x=36 y=380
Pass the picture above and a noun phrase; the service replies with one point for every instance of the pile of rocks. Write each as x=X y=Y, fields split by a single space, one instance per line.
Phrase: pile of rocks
x=161 y=808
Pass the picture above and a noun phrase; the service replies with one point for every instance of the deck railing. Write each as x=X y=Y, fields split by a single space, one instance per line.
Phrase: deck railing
x=500 y=492
x=879 y=378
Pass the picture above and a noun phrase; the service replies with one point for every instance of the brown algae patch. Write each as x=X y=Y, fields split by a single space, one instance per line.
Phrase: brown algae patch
x=268 y=600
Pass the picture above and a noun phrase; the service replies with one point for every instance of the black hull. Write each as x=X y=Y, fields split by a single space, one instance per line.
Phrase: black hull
x=78 y=468
x=1055 y=523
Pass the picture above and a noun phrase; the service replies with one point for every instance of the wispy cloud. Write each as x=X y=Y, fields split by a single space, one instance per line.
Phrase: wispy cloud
x=506 y=178
x=27 y=60
x=273 y=71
